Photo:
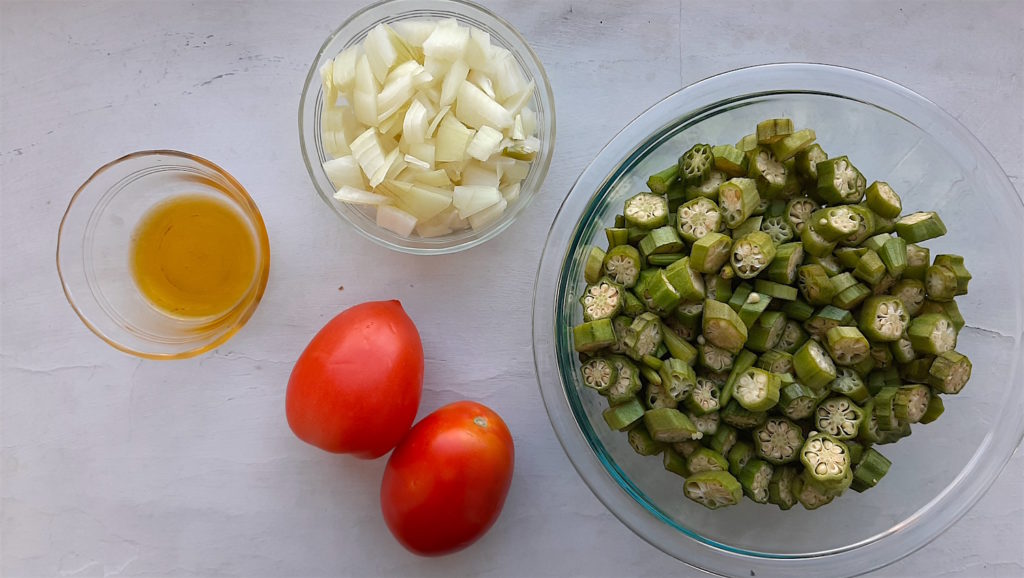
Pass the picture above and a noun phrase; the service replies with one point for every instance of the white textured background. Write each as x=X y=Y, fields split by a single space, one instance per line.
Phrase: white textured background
x=115 y=466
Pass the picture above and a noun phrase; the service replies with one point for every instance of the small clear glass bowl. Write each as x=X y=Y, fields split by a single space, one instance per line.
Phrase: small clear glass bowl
x=892 y=134
x=94 y=245
x=354 y=31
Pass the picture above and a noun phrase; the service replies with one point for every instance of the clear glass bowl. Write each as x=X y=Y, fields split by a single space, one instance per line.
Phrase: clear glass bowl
x=95 y=239
x=354 y=31
x=891 y=134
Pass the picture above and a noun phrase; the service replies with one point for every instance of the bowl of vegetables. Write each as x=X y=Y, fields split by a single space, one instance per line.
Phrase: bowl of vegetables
x=428 y=125
x=754 y=295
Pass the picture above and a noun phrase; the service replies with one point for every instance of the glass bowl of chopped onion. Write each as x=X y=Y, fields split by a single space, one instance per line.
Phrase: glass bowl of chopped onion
x=936 y=475
x=428 y=125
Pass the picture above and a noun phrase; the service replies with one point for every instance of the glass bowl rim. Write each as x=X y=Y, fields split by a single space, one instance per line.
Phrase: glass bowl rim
x=598 y=471
x=252 y=215
x=543 y=91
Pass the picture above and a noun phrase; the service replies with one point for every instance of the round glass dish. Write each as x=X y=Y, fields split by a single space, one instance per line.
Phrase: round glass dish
x=354 y=31
x=891 y=134
x=95 y=240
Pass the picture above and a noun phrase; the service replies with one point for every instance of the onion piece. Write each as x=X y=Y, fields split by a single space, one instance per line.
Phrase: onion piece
x=478 y=174
x=471 y=199
x=356 y=196
x=447 y=41
x=344 y=171
x=485 y=143
x=457 y=74
x=395 y=220
x=476 y=109
x=488 y=215
x=452 y=139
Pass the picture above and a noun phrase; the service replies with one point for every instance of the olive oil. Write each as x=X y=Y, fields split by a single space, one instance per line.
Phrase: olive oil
x=193 y=256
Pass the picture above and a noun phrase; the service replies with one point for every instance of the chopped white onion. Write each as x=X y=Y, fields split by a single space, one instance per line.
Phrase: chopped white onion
x=414 y=127
x=488 y=215
x=452 y=139
x=358 y=196
x=395 y=220
x=478 y=174
x=485 y=143
x=457 y=74
x=447 y=41
x=344 y=171
x=476 y=109
x=471 y=199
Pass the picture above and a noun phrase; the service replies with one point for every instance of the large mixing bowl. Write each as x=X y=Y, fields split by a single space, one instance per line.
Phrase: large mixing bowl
x=892 y=134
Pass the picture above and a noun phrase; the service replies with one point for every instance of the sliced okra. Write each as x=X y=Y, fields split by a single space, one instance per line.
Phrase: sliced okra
x=813 y=366
x=882 y=224
x=730 y=160
x=911 y=293
x=710 y=252
x=902 y=350
x=708 y=188
x=826 y=318
x=744 y=360
x=839 y=417
x=740 y=417
x=740 y=295
x=793 y=335
x=911 y=402
x=643 y=336
x=778 y=228
x=686 y=281
x=724 y=438
x=797 y=401
x=869 y=432
x=865 y=366
x=766 y=331
x=756 y=390
x=916 y=371
x=658 y=293
x=883 y=318
x=706 y=460
x=881 y=355
x=807 y=163
x=810 y=495
x=870 y=268
x=881 y=199
x=780 y=487
x=932 y=334
x=799 y=211
x=620 y=325
x=713 y=358
x=703 y=397
x=716 y=286
x=664 y=259
x=814 y=244
x=949 y=372
x=677 y=378
x=723 y=327
x=835 y=223
x=773 y=130
x=695 y=164
x=884 y=285
x=955 y=263
x=839 y=181
x=851 y=297
x=847 y=345
x=935 y=409
x=753 y=223
x=753 y=307
x=778 y=441
x=920 y=226
x=646 y=211
x=713 y=489
x=848 y=257
x=788 y=258
x=698 y=217
x=828 y=262
x=894 y=255
x=670 y=425
x=686 y=447
x=594 y=335
x=826 y=461
x=642 y=442
x=737 y=200
x=769 y=173
x=678 y=347
x=599 y=374
x=622 y=263
x=631 y=306
x=918 y=259
x=627 y=382
x=869 y=470
x=747 y=143
x=636 y=234
x=660 y=181
x=616 y=236
x=659 y=241
x=755 y=477
x=851 y=385
x=789 y=145
x=751 y=254
x=940 y=283
x=593 y=265
x=650 y=375
x=815 y=284
x=655 y=396
x=865 y=226
x=741 y=453
x=625 y=415
x=892 y=436
x=601 y=300
x=948 y=308
x=674 y=462
x=797 y=310
x=884 y=409
x=775 y=361
x=775 y=290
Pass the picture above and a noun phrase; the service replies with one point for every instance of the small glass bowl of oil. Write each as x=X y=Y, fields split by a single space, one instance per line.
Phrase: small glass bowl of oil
x=163 y=254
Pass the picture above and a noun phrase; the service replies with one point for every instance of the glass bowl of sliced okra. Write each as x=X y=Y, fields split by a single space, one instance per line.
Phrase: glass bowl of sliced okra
x=752 y=298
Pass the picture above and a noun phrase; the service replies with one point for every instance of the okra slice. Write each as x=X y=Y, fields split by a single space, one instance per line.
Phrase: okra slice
x=646 y=211
x=826 y=460
x=696 y=163
x=881 y=199
x=751 y=254
x=902 y=350
x=655 y=396
x=730 y=160
x=847 y=345
x=920 y=226
x=955 y=263
x=869 y=432
x=780 y=487
x=835 y=223
x=870 y=268
x=828 y=262
x=592 y=266
x=674 y=462
x=848 y=257
x=850 y=384
x=865 y=365
x=869 y=470
x=947 y=308
x=617 y=236
x=698 y=217
x=783 y=268
x=911 y=402
x=599 y=374
x=658 y=293
x=778 y=228
x=918 y=259
x=916 y=371
x=625 y=415
x=689 y=313
x=747 y=143
x=766 y=332
x=643 y=336
x=659 y=241
x=660 y=181
x=740 y=417
x=894 y=435
x=649 y=375
x=769 y=173
x=669 y=425
x=884 y=409
x=815 y=284
x=778 y=441
x=740 y=295
x=622 y=264
x=911 y=293
x=723 y=327
x=703 y=397
x=949 y=372
x=627 y=382
x=797 y=401
x=851 y=297
x=743 y=361
x=813 y=366
x=894 y=255
x=715 y=286
x=940 y=283
x=842 y=282
x=678 y=347
x=601 y=300
x=686 y=448
x=932 y=334
x=773 y=130
x=741 y=453
x=636 y=234
x=839 y=181
x=620 y=325
x=814 y=244
x=798 y=310
x=737 y=200
x=664 y=259
x=826 y=318
x=839 y=417
x=881 y=224
x=810 y=495
x=713 y=358
x=708 y=188
x=865 y=226
x=799 y=211
x=706 y=460
x=789 y=145
x=724 y=438
x=710 y=252
x=713 y=490
x=631 y=306
x=757 y=390
x=883 y=318
x=642 y=442
x=753 y=307
x=776 y=361
x=755 y=477
x=775 y=290
x=935 y=409
x=677 y=378
x=594 y=335
x=793 y=336
x=686 y=281
x=753 y=223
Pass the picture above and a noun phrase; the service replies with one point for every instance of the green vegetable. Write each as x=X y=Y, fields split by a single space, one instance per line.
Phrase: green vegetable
x=920 y=226
x=883 y=200
x=932 y=334
x=799 y=211
x=783 y=268
x=723 y=327
x=753 y=307
x=659 y=241
x=741 y=453
x=751 y=254
x=602 y=300
x=704 y=397
x=911 y=402
x=669 y=425
x=674 y=462
x=775 y=290
x=706 y=460
x=698 y=217
x=743 y=361
x=622 y=263
x=686 y=281
x=624 y=416
x=757 y=390
x=593 y=335
x=793 y=335
x=850 y=384
x=796 y=401
x=724 y=439
x=646 y=211
x=780 y=488
x=738 y=199
x=847 y=345
x=755 y=478
x=710 y=252
x=599 y=374
x=815 y=284
x=778 y=441
x=730 y=160
x=627 y=384
x=955 y=263
x=660 y=182
x=696 y=164
x=870 y=268
x=658 y=293
x=949 y=372
x=839 y=417
x=769 y=173
x=642 y=443
x=839 y=181
x=869 y=470
x=773 y=130
x=713 y=490
x=894 y=255
x=789 y=145
x=813 y=366
x=826 y=461
x=643 y=336
x=739 y=417
x=592 y=267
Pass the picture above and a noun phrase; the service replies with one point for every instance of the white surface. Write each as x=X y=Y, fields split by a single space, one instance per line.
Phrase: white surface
x=115 y=466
